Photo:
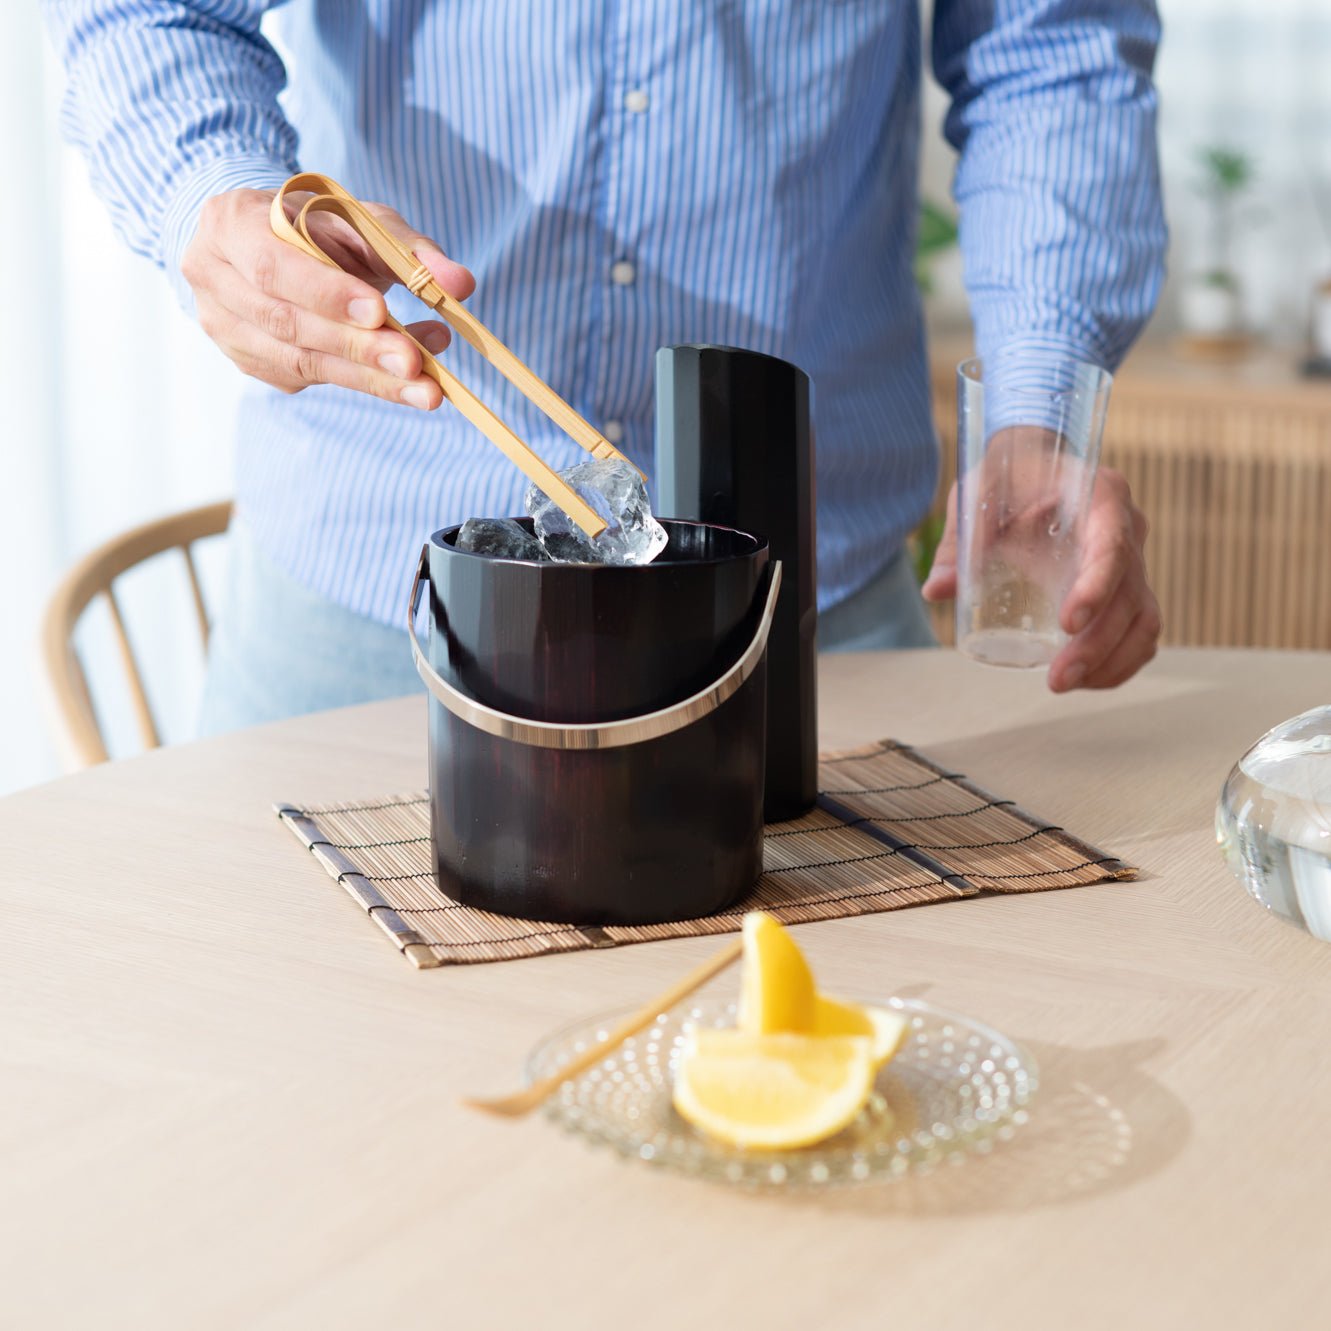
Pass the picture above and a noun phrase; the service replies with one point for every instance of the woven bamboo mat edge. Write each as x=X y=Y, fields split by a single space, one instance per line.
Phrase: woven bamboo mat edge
x=950 y=885
x=1115 y=869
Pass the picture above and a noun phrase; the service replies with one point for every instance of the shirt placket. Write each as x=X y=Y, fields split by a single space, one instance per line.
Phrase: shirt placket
x=628 y=100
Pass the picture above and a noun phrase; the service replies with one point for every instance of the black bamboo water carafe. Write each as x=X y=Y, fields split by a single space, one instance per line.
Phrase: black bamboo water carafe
x=734 y=447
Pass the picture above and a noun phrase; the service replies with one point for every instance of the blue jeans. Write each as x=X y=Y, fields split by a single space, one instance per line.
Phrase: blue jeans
x=279 y=650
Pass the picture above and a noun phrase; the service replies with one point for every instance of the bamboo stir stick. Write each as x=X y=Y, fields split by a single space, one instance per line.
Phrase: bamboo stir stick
x=524 y=1101
x=330 y=197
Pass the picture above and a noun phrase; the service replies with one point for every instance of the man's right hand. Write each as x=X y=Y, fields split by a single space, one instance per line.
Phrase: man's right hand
x=292 y=321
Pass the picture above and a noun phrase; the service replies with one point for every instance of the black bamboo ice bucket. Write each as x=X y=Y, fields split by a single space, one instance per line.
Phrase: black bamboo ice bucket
x=597 y=733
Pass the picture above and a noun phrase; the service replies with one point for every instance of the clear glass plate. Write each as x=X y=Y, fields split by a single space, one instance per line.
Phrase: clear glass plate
x=955 y=1086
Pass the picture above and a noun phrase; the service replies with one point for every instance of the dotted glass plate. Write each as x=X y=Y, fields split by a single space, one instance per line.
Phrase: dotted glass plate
x=955 y=1086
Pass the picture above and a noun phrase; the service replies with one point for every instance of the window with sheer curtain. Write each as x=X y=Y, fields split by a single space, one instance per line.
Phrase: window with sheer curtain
x=117 y=409
x=1252 y=76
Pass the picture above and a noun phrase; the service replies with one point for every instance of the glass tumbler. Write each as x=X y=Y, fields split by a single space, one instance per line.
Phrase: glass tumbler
x=1028 y=443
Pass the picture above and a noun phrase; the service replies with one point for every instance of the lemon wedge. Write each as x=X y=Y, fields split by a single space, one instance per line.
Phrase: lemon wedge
x=776 y=986
x=777 y=993
x=773 y=1091
x=801 y=1064
x=884 y=1029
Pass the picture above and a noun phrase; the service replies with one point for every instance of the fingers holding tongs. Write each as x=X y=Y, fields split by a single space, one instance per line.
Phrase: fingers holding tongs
x=327 y=196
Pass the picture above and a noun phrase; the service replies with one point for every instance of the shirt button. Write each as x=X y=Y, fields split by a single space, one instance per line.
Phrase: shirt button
x=622 y=273
x=613 y=431
x=636 y=100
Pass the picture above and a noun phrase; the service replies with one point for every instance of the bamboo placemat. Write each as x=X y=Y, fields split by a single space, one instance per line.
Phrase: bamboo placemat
x=890 y=829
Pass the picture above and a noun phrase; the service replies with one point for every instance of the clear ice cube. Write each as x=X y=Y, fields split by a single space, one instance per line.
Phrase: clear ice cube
x=616 y=491
x=502 y=537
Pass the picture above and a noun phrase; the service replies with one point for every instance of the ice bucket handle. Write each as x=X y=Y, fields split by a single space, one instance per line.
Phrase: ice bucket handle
x=599 y=734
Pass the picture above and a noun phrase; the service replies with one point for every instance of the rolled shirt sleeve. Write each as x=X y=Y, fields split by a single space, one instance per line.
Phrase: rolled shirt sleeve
x=171 y=103
x=1062 y=225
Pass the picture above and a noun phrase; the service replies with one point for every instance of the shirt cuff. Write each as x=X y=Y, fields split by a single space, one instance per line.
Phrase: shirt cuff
x=181 y=219
x=1053 y=380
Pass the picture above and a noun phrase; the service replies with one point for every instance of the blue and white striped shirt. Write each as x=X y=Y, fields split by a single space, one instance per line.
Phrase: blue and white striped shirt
x=623 y=174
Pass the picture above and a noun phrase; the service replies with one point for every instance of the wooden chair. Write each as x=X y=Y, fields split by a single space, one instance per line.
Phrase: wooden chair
x=78 y=732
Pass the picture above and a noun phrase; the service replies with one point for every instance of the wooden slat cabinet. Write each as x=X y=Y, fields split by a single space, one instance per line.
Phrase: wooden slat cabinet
x=1231 y=463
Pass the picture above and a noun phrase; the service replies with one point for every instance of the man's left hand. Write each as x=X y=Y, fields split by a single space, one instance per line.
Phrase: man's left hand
x=1110 y=613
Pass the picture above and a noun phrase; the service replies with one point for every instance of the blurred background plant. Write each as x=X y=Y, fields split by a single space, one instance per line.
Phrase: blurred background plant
x=937 y=232
x=1211 y=302
x=1226 y=175
x=924 y=545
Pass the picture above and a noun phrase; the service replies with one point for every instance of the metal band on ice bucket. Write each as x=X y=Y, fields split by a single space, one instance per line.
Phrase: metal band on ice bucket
x=594 y=735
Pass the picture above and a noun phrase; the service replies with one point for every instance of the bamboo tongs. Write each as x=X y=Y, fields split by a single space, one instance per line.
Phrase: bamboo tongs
x=330 y=197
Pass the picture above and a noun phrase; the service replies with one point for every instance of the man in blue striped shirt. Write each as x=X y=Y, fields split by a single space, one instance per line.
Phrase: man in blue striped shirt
x=616 y=175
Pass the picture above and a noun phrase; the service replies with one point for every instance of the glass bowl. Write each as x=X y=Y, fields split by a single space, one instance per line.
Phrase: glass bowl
x=955 y=1086
x=1273 y=821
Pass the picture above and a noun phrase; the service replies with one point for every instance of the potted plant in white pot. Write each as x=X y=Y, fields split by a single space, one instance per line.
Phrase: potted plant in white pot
x=1211 y=307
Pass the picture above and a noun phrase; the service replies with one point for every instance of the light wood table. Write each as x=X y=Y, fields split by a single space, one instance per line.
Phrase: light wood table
x=227 y=1103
